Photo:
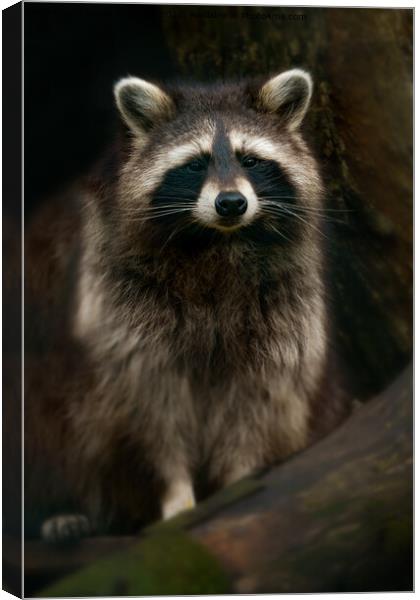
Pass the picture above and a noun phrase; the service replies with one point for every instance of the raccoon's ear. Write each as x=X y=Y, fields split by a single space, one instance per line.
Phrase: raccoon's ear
x=287 y=95
x=142 y=104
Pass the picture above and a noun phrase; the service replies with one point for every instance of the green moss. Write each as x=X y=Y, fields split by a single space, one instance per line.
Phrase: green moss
x=163 y=563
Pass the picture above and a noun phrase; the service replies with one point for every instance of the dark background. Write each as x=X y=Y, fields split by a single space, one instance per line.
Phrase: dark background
x=74 y=53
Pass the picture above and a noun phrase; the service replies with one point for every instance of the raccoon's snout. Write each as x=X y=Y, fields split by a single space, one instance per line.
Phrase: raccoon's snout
x=231 y=204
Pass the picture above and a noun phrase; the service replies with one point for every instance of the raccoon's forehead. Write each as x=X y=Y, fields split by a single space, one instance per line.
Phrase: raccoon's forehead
x=218 y=138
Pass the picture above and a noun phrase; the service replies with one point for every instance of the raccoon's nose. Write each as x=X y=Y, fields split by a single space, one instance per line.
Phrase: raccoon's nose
x=231 y=204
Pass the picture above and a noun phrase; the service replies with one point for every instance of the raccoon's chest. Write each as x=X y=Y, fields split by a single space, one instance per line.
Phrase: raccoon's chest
x=224 y=330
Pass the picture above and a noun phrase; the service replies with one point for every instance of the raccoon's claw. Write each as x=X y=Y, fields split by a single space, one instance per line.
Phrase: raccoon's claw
x=65 y=528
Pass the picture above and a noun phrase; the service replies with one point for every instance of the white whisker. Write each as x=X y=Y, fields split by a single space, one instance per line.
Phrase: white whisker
x=166 y=213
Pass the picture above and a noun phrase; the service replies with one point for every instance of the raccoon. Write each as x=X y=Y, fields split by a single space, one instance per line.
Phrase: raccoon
x=196 y=344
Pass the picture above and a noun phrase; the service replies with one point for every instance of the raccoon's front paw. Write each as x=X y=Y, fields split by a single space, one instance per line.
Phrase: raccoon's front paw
x=65 y=528
x=179 y=497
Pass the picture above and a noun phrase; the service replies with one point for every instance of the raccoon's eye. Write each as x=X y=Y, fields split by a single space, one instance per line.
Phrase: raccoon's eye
x=196 y=165
x=249 y=162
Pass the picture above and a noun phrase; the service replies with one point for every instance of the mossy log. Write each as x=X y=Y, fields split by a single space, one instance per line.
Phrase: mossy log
x=334 y=518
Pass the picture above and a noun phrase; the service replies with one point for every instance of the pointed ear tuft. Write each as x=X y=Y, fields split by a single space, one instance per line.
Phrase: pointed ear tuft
x=287 y=95
x=142 y=104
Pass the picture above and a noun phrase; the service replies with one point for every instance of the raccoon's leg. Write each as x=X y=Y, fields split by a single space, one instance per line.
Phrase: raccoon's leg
x=170 y=439
x=235 y=458
x=65 y=528
x=236 y=447
x=179 y=496
x=259 y=433
x=238 y=471
x=173 y=465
